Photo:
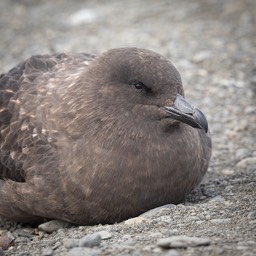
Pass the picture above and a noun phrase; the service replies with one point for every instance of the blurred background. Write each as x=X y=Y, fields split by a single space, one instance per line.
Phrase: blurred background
x=211 y=42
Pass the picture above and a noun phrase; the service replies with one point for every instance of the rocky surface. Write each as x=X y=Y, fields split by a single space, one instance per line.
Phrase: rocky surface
x=213 y=45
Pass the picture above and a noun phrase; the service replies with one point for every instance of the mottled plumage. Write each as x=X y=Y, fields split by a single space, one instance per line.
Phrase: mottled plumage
x=97 y=139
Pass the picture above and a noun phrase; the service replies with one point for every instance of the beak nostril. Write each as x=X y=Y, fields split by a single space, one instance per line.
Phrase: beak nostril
x=183 y=111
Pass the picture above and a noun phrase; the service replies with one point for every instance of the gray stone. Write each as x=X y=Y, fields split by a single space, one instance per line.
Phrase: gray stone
x=199 y=222
x=47 y=251
x=182 y=242
x=252 y=222
x=70 y=243
x=191 y=219
x=135 y=221
x=173 y=232
x=201 y=56
x=54 y=225
x=156 y=251
x=104 y=234
x=228 y=171
x=247 y=163
x=81 y=17
x=90 y=240
x=10 y=235
x=250 y=110
x=155 y=235
x=251 y=215
x=172 y=252
x=241 y=153
x=181 y=206
x=220 y=221
x=124 y=247
x=57 y=245
x=126 y=242
x=162 y=210
x=23 y=233
x=217 y=199
x=229 y=188
x=210 y=190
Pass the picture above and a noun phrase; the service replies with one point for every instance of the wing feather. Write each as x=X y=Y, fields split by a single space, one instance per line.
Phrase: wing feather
x=27 y=96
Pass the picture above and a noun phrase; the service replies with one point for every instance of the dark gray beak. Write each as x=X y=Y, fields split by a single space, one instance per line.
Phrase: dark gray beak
x=183 y=111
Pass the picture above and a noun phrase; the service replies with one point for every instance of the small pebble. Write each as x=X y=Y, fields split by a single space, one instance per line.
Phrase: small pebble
x=210 y=190
x=200 y=222
x=250 y=110
x=172 y=252
x=82 y=16
x=155 y=235
x=201 y=56
x=70 y=243
x=252 y=222
x=217 y=199
x=182 y=242
x=156 y=250
x=23 y=233
x=5 y=241
x=220 y=221
x=54 y=225
x=90 y=240
x=57 y=245
x=125 y=247
x=47 y=252
x=162 y=210
x=228 y=171
x=251 y=215
x=241 y=153
x=247 y=163
x=135 y=221
x=10 y=235
x=104 y=235
x=3 y=231
x=181 y=206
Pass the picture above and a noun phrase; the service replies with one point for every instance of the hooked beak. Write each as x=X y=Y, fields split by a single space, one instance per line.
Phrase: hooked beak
x=183 y=111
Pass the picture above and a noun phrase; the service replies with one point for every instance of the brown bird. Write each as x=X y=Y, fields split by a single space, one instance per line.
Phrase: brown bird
x=93 y=140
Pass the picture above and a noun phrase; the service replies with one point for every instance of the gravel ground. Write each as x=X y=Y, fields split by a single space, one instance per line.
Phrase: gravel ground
x=213 y=45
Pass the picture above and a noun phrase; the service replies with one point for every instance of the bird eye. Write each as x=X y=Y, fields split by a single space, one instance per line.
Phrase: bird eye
x=138 y=85
x=141 y=87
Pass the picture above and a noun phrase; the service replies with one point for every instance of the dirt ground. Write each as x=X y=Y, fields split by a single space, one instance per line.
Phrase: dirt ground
x=213 y=45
